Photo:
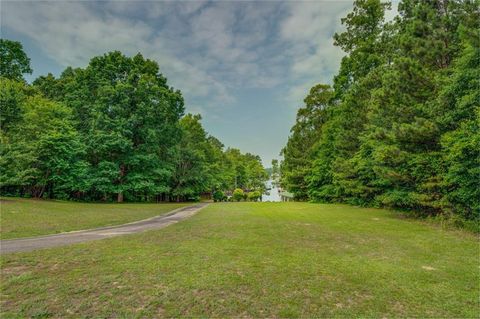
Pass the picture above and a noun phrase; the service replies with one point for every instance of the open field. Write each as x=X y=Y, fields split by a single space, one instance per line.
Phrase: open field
x=28 y=217
x=255 y=260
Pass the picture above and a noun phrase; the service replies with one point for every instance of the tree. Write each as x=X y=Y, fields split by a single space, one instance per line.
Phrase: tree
x=462 y=174
x=192 y=175
x=44 y=153
x=112 y=130
x=402 y=140
x=255 y=172
x=339 y=170
x=400 y=129
x=12 y=97
x=275 y=168
x=306 y=131
x=363 y=42
x=459 y=106
x=13 y=60
x=129 y=117
x=366 y=40
x=217 y=164
x=50 y=87
x=275 y=172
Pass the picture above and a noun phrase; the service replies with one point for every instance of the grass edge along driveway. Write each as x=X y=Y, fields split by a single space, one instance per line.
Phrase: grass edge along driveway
x=28 y=217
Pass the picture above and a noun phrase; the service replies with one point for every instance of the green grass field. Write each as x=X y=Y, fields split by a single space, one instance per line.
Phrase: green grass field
x=255 y=260
x=28 y=217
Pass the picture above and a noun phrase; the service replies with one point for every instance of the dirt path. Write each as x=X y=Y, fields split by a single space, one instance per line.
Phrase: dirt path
x=34 y=243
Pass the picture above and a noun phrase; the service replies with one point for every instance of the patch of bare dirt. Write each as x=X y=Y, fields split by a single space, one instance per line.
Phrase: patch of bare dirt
x=14 y=270
x=7 y=201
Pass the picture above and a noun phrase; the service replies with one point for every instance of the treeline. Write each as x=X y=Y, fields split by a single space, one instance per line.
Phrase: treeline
x=112 y=131
x=400 y=127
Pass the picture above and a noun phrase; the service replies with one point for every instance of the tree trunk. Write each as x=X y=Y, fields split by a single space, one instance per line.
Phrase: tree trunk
x=120 y=197
x=39 y=193
x=50 y=191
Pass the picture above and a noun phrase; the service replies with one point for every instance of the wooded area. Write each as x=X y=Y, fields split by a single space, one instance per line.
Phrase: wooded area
x=112 y=131
x=400 y=125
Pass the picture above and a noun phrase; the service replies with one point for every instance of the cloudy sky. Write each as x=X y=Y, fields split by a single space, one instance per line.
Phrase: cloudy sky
x=244 y=66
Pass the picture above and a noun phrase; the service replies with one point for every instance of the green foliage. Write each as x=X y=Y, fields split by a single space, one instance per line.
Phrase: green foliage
x=44 y=151
x=462 y=174
x=400 y=129
x=58 y=150
x=114 y=130
x=275 y=170
x=219 y=196
x=254 y=196
x=129 y=118
x=238 y=194
x=196 y=161
x=298 y=151
x=461 y=141
x=244 y=171
x=13 y=60
x=12 y=98
x=190 y=176
x=363 y=40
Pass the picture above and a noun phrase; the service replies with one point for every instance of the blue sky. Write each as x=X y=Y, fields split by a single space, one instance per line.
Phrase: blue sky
x=244 y=66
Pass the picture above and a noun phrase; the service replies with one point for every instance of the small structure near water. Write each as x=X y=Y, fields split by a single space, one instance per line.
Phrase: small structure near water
x=286 y=196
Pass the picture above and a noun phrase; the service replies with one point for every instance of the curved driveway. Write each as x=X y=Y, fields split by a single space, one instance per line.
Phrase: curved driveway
x=33 y=243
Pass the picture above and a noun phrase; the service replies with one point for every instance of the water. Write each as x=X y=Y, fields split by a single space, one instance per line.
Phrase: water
x=273 y=195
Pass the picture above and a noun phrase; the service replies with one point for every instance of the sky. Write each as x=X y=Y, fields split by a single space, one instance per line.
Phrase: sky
x=245 y=66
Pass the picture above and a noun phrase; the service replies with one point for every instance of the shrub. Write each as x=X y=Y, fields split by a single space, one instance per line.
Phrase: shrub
x=238 y=194
x=218 y=196
x=254 y=196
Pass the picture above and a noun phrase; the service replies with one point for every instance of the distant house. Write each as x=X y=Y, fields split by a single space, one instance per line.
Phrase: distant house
x=286 y=196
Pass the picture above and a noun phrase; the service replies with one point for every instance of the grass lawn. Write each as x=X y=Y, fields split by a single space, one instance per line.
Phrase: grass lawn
x=255 y=260
x=29 y=217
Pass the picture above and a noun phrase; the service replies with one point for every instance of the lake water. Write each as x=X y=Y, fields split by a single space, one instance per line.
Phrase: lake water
x=273 y=195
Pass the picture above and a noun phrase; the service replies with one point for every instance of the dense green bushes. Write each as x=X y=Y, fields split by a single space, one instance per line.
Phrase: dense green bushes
x=114 y=130
x=400 y=127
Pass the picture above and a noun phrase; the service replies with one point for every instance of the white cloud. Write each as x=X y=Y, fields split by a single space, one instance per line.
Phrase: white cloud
x=309 y=28
x=207 y=49
x=73 y=32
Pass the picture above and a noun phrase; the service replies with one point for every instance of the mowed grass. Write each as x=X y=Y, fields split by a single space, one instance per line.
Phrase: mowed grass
x=29 y=217
x=255 y=260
